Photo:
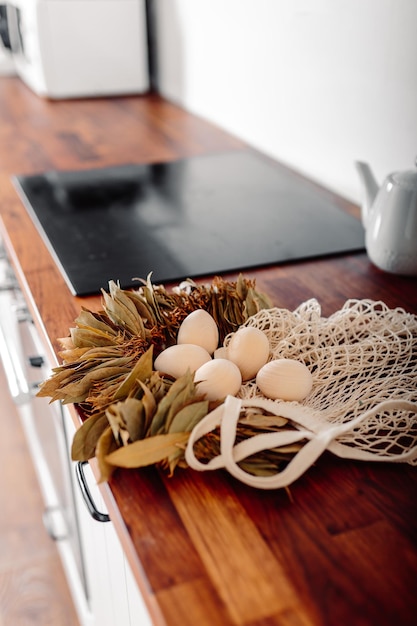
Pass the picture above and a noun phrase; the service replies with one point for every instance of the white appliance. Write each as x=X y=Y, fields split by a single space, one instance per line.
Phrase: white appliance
x=78 y=48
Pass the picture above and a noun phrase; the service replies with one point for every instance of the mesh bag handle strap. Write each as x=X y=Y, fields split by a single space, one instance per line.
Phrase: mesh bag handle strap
x=227 y=416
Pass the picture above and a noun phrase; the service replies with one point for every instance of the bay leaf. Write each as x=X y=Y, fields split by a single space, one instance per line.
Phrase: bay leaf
x=84 y=337
x=142 y=370
x=241 y=287
x=164 y=412
x=65 y=343
x=72 y=354
x=264 y=422
x=182 y=397
x=49 y=386
x=135 y=418
x=148 y=291
x=175 y=458
x=158 y=386
x=189 y=416
x=77 y=391
x=105 y=352
x=121 y=309
x=88 y=319
x=100 y=353
x=147 y=451
x=127 y=419
x=256 y=301
x=142 y=308
x=149 y=405
x=117 y=361
x=258 y=469
x=86 y=437
x=105 y=446
x=117 y=424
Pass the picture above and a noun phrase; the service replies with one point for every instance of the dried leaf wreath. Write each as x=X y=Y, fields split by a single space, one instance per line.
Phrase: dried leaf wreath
x=363 y=404
x=133 y=415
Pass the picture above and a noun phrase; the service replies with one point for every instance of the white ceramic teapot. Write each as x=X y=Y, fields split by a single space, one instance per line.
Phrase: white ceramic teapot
x=389 y=216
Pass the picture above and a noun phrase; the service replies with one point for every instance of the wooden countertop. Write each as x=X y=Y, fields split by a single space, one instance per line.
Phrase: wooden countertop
x=205 y=549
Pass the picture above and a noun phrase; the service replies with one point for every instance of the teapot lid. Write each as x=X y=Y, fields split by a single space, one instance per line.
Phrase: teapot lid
x=407 y=179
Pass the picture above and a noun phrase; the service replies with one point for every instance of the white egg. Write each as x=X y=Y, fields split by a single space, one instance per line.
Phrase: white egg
x=249 y=350
x=218 y=378
x=285 y=379
x=199 y=328
x=220 y=353
x=177 y=359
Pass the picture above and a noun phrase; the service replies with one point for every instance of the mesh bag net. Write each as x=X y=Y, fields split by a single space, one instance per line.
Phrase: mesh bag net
x=363 y=404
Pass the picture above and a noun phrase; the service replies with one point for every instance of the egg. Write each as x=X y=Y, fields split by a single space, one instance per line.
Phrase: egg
x=200 y=329
x=249 y=350
x=218 y=378
x=220 y=353
x=177 y=359
x=285 y=379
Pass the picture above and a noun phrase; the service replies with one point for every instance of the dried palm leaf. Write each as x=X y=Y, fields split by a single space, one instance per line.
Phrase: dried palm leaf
x=133 y=415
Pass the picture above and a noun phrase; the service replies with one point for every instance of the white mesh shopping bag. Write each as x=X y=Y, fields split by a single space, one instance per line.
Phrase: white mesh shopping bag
x=363 y=404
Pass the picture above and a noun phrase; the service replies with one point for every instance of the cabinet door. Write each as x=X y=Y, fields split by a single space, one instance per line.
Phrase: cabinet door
x=114 y=596
x=25 y=365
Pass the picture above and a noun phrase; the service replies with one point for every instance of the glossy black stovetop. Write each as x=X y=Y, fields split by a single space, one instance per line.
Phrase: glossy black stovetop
x=193 y=217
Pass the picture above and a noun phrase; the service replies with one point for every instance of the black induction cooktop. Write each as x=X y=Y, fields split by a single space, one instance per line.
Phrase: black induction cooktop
x=192 y=217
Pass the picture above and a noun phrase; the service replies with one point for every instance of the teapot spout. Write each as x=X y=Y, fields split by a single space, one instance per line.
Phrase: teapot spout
x=370 y=187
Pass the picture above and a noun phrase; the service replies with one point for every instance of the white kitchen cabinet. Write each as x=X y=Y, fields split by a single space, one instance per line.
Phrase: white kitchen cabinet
x=99 y=577
x=114 y=595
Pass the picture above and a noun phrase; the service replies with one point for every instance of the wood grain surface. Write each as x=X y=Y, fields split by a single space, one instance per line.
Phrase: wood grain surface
x=340 y=547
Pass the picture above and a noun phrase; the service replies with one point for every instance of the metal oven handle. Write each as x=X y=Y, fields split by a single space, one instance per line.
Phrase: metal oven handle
x=57 y=531
x=86 y=494
x=11 y=351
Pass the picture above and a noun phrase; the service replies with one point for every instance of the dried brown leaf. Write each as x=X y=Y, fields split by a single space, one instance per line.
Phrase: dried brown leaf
x=77 y=391
x=149 y=405
x=73 y=354
x=128 y=420
x=141 y=371
x=117 y=424
x=86 y=437
x=105 y=446
x=88 y=319
x=121 y=310
x=90 y=337
x=263 y=422
x=181 y=390
x=189 y=416
x=147 y=451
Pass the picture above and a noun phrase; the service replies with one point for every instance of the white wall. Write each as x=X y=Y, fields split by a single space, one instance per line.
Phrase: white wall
x=314 y=83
